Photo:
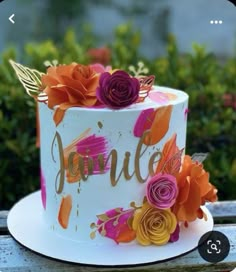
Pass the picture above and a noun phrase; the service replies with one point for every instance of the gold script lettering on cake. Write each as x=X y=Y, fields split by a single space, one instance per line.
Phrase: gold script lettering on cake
x=74 y=170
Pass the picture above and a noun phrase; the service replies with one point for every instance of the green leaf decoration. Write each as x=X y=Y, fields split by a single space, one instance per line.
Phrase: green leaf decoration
x=29 y=78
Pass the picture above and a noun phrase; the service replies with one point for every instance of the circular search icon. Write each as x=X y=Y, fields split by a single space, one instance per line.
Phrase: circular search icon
x=214 y=246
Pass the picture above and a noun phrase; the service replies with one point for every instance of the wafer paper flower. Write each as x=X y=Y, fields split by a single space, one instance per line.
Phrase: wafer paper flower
x=153 y=226
x=162 y=191
x=194 y=190
x=72 y=85
x=117 y=90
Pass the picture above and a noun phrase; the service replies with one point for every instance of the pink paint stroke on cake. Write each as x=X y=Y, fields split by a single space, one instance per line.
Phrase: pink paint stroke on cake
x=92 y=147
x=43 y=189
x=156 y=123
x=144 y=122
x=161 y=97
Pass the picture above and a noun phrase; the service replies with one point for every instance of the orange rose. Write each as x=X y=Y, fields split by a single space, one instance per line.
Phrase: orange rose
x=194 y=190
x=72 y=85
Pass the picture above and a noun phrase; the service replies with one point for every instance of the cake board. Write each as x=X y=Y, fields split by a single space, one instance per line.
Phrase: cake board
x=26 y=225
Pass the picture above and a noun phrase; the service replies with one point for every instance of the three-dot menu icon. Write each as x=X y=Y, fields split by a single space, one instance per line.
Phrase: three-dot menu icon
x=216 y=22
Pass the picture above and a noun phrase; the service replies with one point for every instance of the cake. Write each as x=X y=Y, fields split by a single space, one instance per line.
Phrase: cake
x=113 y=163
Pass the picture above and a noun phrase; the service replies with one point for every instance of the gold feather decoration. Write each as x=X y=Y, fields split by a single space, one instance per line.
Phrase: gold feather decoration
x=31 y=80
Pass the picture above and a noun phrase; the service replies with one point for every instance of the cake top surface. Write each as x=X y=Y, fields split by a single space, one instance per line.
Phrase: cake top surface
x=158 y=96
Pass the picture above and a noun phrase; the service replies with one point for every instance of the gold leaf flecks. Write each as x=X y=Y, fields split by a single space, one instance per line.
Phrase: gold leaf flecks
x=29 y=78
x=103 y=217
x=93 y=235
x=100 y=124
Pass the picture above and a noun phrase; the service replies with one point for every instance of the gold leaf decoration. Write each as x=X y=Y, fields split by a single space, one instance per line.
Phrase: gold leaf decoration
x=103 y=232
x=93 y=234
x=30 y=79
x=92 y=225
x=199 y=157
x=103 y=217
x=146 y=83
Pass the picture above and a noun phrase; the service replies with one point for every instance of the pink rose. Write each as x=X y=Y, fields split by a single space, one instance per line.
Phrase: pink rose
x=162 y=191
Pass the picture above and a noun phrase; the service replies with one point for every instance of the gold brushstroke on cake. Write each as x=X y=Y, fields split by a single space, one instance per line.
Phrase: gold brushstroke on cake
x=71 y=159
x=64 y=211
x=61 y=172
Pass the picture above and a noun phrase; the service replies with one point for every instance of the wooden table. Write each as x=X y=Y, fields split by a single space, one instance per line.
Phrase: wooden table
x=16 y=258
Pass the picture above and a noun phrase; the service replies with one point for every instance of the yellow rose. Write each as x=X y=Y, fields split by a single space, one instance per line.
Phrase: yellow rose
x=153 y=226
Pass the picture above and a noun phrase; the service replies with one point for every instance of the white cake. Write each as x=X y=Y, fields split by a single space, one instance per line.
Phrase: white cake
x=71 y=208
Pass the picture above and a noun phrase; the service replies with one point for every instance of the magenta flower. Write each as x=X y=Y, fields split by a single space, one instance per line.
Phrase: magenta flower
x=162 y=191
x=117 y=90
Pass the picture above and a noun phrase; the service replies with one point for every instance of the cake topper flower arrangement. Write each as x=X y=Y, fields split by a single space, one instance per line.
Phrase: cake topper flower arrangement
x=77 y=85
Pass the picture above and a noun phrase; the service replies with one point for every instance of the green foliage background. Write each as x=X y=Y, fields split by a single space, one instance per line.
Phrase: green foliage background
x=211 y=124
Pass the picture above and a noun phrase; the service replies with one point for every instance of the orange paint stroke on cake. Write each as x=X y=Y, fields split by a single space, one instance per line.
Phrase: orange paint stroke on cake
x=160 y=125
x=64 y=211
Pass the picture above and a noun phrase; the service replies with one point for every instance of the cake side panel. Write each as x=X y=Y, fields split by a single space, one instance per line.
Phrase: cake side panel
x=74 y=203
